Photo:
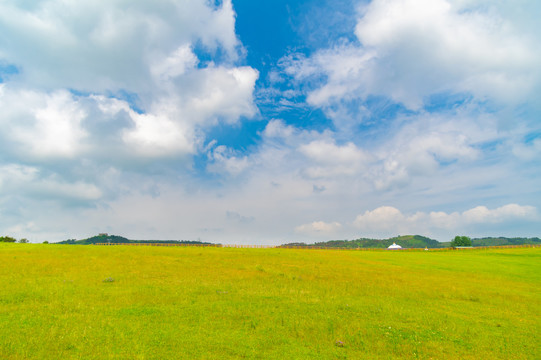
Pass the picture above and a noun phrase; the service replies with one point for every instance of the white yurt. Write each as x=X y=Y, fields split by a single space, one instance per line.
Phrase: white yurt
x=394 y=247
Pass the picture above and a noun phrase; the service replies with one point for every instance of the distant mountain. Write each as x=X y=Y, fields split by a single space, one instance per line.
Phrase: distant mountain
x=406 y=241
x=114 y=239
x=499 y=241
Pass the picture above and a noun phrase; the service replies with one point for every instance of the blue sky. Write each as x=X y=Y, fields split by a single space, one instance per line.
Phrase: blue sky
x=270 y=122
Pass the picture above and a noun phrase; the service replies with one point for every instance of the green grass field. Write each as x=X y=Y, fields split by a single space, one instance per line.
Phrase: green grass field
x=124 y=302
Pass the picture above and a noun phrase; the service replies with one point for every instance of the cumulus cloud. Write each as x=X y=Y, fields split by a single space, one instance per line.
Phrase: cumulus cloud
x=42 y=125
x=481 y=214
x=30 y=181
x=421 y=149
x=390 y=220
x=319 y=228
x=225 y=161
x=108 y=107
x=103 y=88
x=333 y=160
x=97 y=61
x=387 y=87
x=107 y=46
x=410 y=49
x=428 y=143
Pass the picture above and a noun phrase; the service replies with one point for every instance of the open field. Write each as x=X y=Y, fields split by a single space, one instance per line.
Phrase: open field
x=128 y=302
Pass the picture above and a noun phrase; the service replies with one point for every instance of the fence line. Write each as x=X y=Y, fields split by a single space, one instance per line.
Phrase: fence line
x=323 y=247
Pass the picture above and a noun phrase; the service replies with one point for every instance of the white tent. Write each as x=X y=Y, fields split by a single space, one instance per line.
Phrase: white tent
x=394 y=247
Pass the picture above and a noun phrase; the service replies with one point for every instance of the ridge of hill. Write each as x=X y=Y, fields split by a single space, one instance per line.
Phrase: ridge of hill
x=406 y=241
x=416 y=241
x=115 y=239
x=499 y=241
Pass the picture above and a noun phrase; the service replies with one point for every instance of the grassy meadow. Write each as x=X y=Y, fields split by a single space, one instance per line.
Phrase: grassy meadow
x=127 y=302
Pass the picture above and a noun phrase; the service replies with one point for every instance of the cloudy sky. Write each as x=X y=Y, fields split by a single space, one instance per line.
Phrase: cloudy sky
x=265 y=122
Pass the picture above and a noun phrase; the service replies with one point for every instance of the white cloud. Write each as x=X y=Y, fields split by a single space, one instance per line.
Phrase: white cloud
x=410 y=49
x=157 y=136
x=145 y=51
x=109 y=102
x=110 y=110
x=319 y=228
x=527 y=151
x=225 y=161
x=42 y=125
x=177 y=63
x=390 y=220
x=107 y=46
x=481 y=214
x=332 y=160
x=26 y=180
x=277 y=129
x=382 y=218
x=219 y=92
x=426 y=144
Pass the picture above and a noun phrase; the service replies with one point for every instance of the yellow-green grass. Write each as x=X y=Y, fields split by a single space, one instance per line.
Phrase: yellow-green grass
x=125 y=302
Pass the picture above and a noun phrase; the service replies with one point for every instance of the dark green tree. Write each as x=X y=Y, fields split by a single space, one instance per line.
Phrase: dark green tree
x=7 y=239
x=461 y=241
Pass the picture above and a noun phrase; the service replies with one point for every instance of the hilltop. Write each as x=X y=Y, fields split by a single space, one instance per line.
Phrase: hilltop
x=499 y=241
x=416 y=241
x=115 y=239
x=406 y=241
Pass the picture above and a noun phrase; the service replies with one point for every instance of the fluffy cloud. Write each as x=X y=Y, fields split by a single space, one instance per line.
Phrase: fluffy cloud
x=30 y=181
x=419 y=150
x=481 y=214
x=389 y=220
x=410 y=49
x=428 y=143
x=97 y=63
x=331 y=160
x=428 y=85
x=225 y=161
x=41 y=125
x=108 y=46
x=106 y=112
x=319 y=228
x=108 y=88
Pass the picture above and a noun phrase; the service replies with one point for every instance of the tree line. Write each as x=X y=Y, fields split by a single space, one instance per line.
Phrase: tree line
x=10 y=239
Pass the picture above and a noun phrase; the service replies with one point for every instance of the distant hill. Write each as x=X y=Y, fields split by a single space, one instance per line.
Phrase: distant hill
x=415 y=241
x=406 y=241
x=498 y=241
x=115 y=239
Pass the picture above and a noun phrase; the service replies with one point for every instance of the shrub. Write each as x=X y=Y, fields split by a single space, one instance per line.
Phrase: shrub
x=7 y=239
x=461 y=241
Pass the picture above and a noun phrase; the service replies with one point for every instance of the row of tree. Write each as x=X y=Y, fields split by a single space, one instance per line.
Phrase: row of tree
x=10 y=239
x=406 y=241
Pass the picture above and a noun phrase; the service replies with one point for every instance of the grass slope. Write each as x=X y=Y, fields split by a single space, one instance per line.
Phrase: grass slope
x=99 y=302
